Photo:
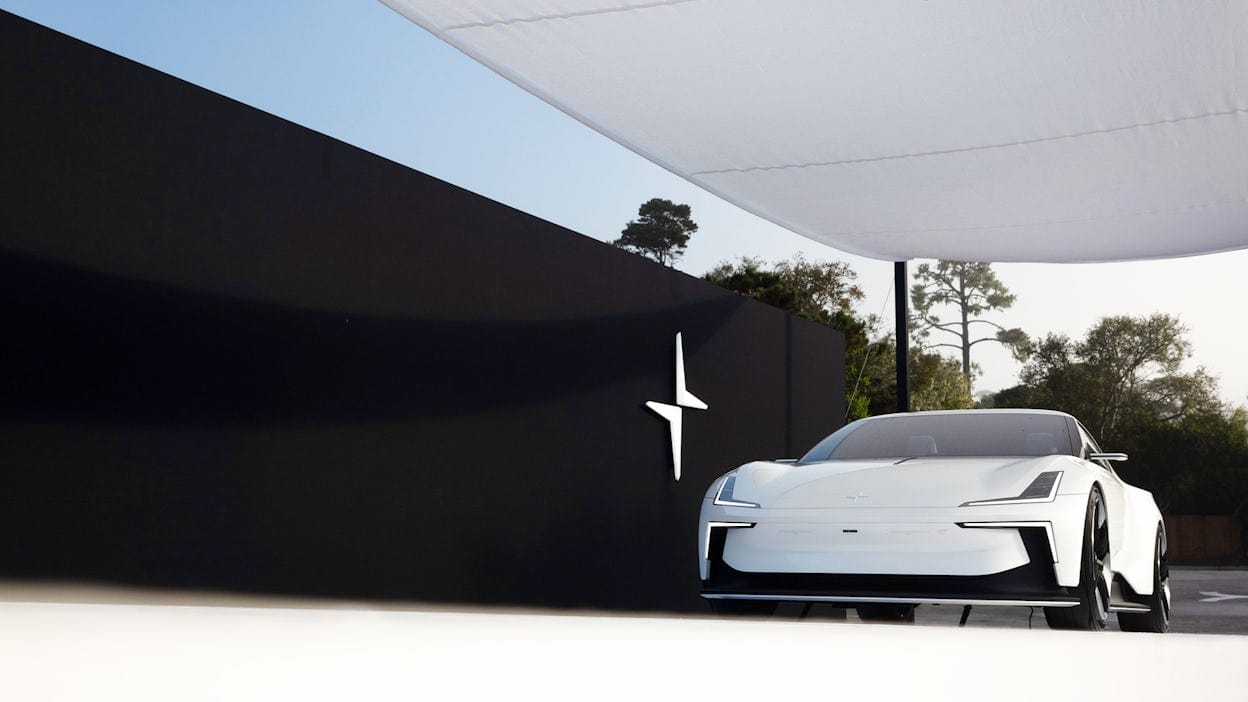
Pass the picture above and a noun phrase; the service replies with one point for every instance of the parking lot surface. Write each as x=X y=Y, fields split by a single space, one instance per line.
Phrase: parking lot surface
x=1204 y=601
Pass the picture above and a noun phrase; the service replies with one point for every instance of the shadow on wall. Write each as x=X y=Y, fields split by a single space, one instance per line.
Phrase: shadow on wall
x=88 y=347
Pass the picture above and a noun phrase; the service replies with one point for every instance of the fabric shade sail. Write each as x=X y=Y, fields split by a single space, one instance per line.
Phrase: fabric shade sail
x=1011 y=131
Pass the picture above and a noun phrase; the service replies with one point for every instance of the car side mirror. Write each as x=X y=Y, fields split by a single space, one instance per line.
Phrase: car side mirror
x=1107 y=456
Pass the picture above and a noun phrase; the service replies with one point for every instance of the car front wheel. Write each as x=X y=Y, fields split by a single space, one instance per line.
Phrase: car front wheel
x=1092 y=612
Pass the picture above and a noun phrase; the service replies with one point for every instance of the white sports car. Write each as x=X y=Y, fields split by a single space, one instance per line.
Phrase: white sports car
x=974 y=507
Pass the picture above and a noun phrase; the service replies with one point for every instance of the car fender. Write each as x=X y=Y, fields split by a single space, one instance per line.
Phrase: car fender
x=1070 y=510
x=1068 y=513
x=1134 y=561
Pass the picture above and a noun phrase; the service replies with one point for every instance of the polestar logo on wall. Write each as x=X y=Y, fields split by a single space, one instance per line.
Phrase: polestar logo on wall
x=675 y=413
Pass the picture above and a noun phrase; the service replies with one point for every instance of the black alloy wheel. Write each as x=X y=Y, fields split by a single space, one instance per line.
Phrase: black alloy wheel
x=1092 y=612
x=1157 y=619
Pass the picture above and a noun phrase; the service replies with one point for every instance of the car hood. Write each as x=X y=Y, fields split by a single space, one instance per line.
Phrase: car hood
x=874 y=483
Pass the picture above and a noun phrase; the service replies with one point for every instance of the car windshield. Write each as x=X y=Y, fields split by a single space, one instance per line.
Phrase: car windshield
x=969 y=434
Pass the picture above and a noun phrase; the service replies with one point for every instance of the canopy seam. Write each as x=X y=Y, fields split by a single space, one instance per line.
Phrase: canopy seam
x=969 y=149
x=566 y=15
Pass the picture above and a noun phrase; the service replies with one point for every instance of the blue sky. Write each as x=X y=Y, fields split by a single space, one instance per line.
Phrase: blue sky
x=355 y=70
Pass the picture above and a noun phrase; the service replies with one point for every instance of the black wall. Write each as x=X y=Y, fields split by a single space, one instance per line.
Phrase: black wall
x=240 y=354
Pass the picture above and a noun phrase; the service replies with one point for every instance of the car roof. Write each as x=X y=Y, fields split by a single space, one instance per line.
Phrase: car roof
x=1002 y=410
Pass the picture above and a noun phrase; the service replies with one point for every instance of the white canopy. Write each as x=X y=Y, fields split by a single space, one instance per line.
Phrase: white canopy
x=1069 y=130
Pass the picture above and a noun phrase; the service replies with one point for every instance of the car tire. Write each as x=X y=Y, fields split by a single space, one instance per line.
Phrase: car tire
x=743 y=608
x=892 y=613
x=1157 y=619
x=1092 y=612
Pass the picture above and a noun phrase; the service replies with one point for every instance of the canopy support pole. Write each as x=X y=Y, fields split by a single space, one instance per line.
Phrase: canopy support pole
x=901 y=290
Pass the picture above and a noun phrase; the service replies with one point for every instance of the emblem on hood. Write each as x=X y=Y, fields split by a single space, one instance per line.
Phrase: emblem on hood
x=674 y=414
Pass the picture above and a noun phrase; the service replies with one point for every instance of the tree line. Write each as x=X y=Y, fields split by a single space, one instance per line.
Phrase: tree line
x=1124 y=379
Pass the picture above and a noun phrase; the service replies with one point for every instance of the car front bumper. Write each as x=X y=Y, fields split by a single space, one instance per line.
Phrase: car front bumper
x=1024 y=554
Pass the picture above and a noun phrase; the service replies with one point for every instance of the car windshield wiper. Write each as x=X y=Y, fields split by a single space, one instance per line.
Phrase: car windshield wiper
x=911 y=458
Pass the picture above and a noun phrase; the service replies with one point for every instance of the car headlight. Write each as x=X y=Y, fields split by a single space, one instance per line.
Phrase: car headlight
x=1042 y=489
x=724 y=498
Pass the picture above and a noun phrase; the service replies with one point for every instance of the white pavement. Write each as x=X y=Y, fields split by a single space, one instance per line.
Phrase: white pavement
x=110 y=649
